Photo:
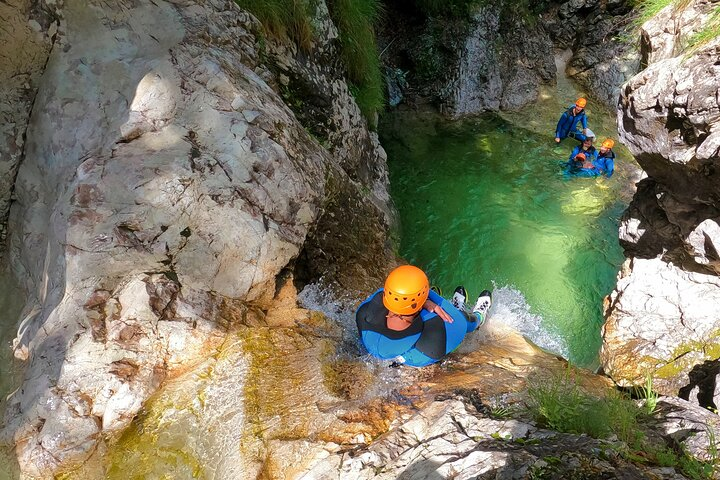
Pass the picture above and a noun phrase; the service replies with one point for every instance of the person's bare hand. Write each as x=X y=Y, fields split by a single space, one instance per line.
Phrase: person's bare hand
x=557 y=139
x=438 y=310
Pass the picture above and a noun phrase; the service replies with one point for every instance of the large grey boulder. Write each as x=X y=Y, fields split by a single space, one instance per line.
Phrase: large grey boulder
x=163 y=188
x=662 y=317
x=597 y=33
x=26 y=36
x=497 y=69
x=662 y=321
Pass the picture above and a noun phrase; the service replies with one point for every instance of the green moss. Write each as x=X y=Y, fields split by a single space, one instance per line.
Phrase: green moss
x=709 y=32
x=355 y=21
x=145 y=450
x=682 y=359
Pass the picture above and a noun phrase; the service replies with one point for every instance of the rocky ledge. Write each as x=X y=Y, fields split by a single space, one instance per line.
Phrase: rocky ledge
x=662 y=319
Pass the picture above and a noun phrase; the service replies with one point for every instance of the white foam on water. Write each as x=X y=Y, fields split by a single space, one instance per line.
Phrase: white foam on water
x=511 y=308
x=342 y=311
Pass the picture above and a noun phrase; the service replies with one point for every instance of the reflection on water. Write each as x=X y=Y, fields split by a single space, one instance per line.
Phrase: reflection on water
x=483 y=202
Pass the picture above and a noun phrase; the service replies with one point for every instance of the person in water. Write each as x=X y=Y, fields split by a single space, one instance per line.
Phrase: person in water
x=583 y=165
x=605 y=162
x=407 y=322
x=567 y=126
x=586 y=147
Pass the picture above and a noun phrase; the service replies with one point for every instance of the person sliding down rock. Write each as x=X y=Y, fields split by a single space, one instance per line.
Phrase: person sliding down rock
x=407 y=322
x=567 y=126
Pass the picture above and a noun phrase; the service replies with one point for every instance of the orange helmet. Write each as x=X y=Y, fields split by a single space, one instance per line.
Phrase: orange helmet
x=580 y=156
x=608 y=143
x=406 y=289
x=581 y=102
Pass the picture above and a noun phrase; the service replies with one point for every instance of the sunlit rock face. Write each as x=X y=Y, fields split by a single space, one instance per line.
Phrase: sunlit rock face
x=603 y=57
x=663 y=318
x=288 y=396
x=26 y=37
x=497 y=68
x=163 y=187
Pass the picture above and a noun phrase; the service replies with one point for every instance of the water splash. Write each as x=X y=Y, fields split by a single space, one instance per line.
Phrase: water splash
x=512 y=309
x=342 y=311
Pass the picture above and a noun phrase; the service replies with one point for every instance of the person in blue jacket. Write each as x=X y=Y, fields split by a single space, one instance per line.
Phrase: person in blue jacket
x=583 y=164
x=407 y=322
x=567 y=126
x=586 y=147
x=606 y=158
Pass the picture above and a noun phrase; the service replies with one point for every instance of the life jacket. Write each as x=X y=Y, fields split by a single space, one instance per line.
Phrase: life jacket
x=425 y=341
x=609 y=154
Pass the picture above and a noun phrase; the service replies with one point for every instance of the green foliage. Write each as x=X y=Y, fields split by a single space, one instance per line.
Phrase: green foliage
x=563 y=406
x=649 y=8
x=693 y=468
x=291 y=19
x=710 y=31
x=651 y=397
x=355 y=20
x=500 y=412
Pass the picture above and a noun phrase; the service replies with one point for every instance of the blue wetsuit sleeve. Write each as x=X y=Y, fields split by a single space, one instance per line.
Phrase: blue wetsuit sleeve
x=610 y=167
x=583 y=120
x=563 y=119
x=575 y=151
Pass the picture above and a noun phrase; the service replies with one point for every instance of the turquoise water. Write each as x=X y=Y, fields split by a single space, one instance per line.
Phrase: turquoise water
x=483 y=203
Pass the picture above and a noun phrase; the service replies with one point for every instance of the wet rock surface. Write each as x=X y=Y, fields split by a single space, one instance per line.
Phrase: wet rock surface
x=164 y=186
x=604 y=54
x=662 y=318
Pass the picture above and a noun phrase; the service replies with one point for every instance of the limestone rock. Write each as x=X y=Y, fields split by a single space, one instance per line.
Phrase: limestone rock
x=498 y=69
x=663 y=35
x=662 y=317
x=690 y=425
x=662 y=321
x=451 y=439
x=27 y=37
x=164 y=186
x=596 y=33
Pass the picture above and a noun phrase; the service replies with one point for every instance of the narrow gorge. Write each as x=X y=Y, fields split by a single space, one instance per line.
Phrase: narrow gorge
x=196 y=198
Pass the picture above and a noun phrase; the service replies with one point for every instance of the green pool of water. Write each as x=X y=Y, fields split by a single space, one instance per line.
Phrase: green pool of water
x=484 y=203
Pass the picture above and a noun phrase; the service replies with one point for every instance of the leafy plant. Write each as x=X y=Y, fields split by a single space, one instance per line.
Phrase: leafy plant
x=500 y=412
x=291 y=19
x=710 y=31
x=563 y=406
x=650 y=396
x=355 y=20
x=649 y=8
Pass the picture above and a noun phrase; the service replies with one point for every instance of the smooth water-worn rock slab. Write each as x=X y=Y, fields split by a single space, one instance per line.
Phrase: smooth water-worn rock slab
x=164 y=187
